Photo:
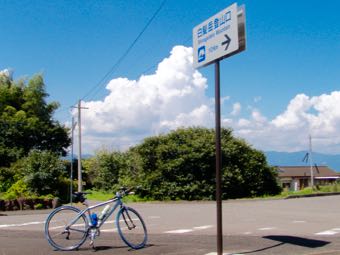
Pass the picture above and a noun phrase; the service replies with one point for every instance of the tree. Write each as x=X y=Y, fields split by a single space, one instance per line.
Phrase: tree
x=26 y=121
x=6 y=179
x=103 y=170
x=43 y=173
x=181 y=165
x=246 y=172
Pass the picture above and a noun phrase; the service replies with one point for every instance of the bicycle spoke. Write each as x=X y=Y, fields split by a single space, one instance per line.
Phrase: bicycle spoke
x=131 y=228
x=66 y=229
x=59 y=234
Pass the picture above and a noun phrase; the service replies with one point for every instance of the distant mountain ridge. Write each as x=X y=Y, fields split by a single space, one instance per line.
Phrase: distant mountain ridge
x=276 y=158
x=75 y=156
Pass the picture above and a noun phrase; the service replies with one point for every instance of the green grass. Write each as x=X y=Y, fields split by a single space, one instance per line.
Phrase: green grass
x=103 y=196
x=307 y=191
x=99 y=195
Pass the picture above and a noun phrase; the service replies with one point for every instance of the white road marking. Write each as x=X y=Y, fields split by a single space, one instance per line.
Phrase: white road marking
x=154 y=217
x=326 y=233
x=181 y=231
x=299 y=221
x=329 y=232
x=22 y=224
x=267 y=228
x=109 y=230
x=78 y=225
x=52 y=228
x=247 y=233
x=178 y=231
x=203 y=227
x=110 y=221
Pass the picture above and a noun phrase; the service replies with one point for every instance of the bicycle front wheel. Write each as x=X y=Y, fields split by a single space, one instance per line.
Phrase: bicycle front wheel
x=131 y=228
x=66 y=229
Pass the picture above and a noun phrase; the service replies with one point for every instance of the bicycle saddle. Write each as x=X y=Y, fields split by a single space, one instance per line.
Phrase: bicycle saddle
x=79 y=196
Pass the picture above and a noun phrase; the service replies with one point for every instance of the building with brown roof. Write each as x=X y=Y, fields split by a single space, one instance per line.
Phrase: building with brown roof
x=299 y=177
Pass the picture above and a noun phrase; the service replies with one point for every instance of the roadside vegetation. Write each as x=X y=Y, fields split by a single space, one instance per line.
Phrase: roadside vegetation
x=318 y=189
x=179 y=165
x=31 y=141
x=103 y=195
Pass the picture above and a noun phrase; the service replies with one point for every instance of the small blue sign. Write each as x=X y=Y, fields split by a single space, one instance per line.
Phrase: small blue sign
x=201 y=54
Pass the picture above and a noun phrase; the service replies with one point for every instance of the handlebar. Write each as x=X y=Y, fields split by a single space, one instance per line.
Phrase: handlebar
x=126 y=191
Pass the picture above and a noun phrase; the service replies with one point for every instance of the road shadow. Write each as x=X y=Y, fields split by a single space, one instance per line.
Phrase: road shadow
x=300 y=241
x=104 y=248
x=292 y=240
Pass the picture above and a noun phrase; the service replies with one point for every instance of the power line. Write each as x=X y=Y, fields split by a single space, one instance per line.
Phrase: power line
x=146 y=70
x=98 y=86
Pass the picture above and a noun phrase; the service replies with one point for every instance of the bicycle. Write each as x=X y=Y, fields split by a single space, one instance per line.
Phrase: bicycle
x=68 y=227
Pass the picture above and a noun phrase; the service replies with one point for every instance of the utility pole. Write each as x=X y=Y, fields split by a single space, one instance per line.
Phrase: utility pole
x=71 y=175
x=80 y=179
x=311 y=162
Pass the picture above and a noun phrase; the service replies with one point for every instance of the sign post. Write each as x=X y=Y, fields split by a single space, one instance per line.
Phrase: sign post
x=219 y=37
x=218 y=159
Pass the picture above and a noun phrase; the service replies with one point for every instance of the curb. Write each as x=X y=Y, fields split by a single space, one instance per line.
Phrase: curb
x=314 y=195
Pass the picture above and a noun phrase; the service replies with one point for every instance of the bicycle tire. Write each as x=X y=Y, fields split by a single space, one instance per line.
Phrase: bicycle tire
x=131 y=228
x=66 y=239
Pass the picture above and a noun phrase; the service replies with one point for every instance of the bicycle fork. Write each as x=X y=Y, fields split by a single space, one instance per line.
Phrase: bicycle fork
x=129 y=223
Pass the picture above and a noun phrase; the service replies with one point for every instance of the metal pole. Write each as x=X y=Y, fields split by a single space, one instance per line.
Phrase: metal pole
x=311 y=162
x=218 y=158
x=71 y=175
x=80 y=187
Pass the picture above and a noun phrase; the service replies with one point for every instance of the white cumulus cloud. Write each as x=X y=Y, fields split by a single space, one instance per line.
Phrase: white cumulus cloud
x=174 y=96
x=289 y=131
x=236 y=109
x=7 y=72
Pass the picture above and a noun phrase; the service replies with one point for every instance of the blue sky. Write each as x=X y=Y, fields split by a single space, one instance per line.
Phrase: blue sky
x=293 y=48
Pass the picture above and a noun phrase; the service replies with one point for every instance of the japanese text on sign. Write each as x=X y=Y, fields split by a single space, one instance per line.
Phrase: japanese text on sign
x=214 y=24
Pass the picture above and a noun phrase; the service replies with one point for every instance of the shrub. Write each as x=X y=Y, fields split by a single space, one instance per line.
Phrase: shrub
x=181 y=165
x=38 y=206
x=104 y=168
x=6 y=178
x=18 y=189
x=42 y=172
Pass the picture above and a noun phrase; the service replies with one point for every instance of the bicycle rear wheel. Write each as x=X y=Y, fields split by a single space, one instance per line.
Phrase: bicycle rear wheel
x=66 y=229
x=131 y=228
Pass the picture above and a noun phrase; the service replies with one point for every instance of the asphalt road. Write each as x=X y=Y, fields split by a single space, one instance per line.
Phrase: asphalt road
x=295 y=226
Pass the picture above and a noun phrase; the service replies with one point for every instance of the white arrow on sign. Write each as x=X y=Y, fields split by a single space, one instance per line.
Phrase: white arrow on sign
x=227 y=42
